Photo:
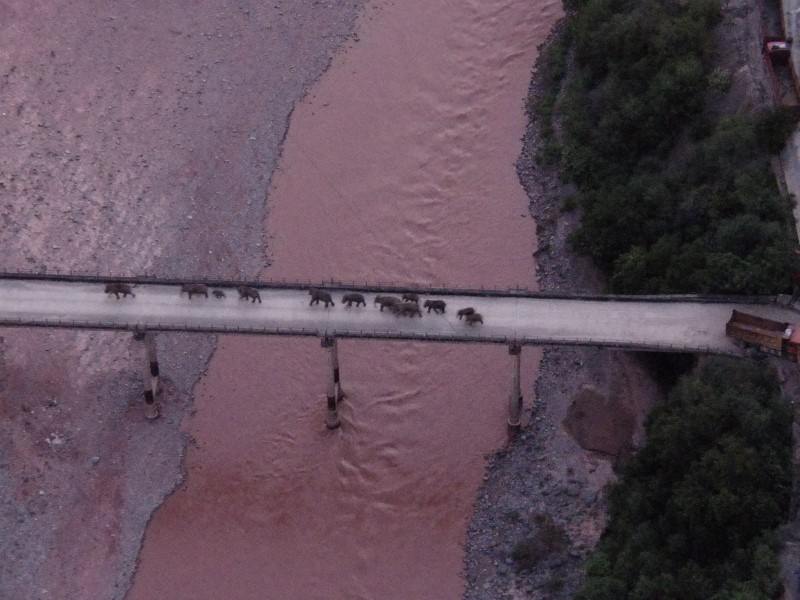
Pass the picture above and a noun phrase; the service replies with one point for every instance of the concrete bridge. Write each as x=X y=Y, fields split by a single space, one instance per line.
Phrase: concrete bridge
x=511 y=317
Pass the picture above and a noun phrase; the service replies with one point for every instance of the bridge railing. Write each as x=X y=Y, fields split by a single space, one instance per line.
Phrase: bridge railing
x=367 y=334
x=378 y=287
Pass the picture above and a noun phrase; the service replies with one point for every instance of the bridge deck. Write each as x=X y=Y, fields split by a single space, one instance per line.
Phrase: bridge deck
x=651 y=325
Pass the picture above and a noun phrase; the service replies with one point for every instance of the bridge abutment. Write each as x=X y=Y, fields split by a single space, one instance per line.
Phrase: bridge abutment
x=150 y=372
x=335 y=393
x=515 y=396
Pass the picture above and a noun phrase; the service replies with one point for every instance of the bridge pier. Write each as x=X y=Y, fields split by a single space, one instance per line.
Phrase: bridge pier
x=515 y=396
x=150 y=372
x=335 y=393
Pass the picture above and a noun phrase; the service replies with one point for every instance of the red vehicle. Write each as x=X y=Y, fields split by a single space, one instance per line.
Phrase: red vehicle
x=781 y=71
x=777 y=50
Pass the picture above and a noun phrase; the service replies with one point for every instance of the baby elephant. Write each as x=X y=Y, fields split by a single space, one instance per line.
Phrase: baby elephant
x=249 y=293
x=195 y=289
x=465 y=312
x=436 y=305
x=119 y=288
x=353 y=297
x=318 y=296
x=406 y=309
x=410 y=297
x=473 y=318
x=385 y=301
x=218 y=294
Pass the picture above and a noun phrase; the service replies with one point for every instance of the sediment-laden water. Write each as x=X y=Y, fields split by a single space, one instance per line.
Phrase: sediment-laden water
x=398 y=167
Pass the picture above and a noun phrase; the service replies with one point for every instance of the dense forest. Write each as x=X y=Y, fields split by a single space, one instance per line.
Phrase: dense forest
x=677 y=198
x=694 y=513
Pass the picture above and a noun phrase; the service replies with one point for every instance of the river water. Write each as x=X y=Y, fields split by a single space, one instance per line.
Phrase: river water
x=398 y=167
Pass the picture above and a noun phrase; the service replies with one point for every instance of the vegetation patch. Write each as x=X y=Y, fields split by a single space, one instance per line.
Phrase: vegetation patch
x=678 y=198
x=694 y=514
x=548 y=539
x=674 y=199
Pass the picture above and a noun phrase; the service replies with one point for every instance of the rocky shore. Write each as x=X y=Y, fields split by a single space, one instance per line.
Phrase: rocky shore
x=541 y=508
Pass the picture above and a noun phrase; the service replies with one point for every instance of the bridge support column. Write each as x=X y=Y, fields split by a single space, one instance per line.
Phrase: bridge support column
x=149 y=372
x=334 y=387
x=515 y=395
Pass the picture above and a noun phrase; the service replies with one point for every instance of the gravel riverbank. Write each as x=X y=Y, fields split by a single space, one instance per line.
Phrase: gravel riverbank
x=541 y=508
x=134 y=139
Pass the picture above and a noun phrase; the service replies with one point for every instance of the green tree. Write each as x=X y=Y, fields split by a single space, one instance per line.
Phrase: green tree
x=693 y=512
x=663 y=212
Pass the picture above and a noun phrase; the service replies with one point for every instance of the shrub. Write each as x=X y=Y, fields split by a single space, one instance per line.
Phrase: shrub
x=548 y=539
x=719 y=81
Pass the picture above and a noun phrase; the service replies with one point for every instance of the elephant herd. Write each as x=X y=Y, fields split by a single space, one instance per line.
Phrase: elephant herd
x=190 y=289
x=405 y=306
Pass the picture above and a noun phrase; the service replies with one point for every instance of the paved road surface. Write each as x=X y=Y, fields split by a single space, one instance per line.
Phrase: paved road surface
x=634 y=324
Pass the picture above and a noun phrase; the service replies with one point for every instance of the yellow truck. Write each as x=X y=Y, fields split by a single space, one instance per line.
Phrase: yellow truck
x=765 y=335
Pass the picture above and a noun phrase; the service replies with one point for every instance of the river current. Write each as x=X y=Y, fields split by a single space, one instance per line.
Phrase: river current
x=398 y=167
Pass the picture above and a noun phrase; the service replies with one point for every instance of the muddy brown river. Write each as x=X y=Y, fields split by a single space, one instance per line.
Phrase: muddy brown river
x=398 y=167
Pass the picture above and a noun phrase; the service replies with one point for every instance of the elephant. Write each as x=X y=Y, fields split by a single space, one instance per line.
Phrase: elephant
x=385 y=301
x=353 y=297
x=248 y=293
x=318 y=296
x=194 y=289
x=473 y=318
x=436 y=305
x=406 y=309
x=119 y=288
